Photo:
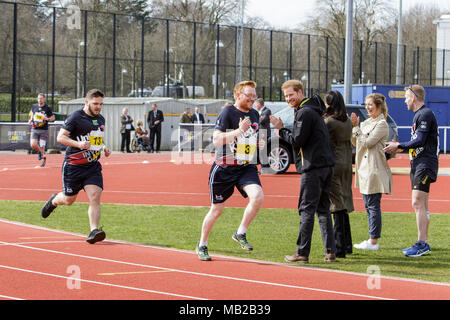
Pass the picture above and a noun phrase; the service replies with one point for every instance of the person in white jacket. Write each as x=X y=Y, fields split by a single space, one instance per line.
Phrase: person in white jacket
x=372 y=173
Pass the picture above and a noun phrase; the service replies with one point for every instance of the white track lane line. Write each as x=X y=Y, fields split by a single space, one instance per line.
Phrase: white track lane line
x=199 y=273
x=102 y=283
x=199 y=194
x=9 y=298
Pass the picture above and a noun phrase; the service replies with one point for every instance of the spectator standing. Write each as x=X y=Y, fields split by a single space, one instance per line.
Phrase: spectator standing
x=424 y=155
x=264 y=130
x=198 y=117
x=154 y=119
x=314 y=159
x=372 y=173
x=125 y=130
x=186 y=117
x=340 y=129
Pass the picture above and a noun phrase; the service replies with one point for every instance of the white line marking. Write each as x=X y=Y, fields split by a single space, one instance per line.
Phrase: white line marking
x=11 y=298
x=201 y=274
x=102 y=283
x=201 y=194
x=320 y=270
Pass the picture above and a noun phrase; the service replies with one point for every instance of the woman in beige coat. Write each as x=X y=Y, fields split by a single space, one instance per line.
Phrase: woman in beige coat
x=372 y=173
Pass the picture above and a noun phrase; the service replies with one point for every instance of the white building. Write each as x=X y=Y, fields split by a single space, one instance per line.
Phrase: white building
x=443 y=50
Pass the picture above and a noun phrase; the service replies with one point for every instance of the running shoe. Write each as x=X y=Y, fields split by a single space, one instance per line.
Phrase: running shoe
x=366 y=245
x=43 y=162
x=96 y=235
x=48 y=207
x=202 y=253
x=242 y=240
x=419 y=248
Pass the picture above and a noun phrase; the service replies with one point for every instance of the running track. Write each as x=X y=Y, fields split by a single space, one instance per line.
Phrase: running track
x=38 y=263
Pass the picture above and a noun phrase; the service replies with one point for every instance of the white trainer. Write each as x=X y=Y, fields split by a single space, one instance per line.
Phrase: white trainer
x=366 y=245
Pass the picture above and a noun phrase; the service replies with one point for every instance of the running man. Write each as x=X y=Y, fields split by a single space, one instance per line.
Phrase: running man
x=40 y=115
x=83 y=133
x=423 y=153
x=235 y=139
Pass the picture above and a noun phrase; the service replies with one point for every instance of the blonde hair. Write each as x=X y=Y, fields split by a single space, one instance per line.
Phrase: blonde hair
x=380 y=101
x=139 y=123
x=418 y=91
x=239 y=87
x=297 y=85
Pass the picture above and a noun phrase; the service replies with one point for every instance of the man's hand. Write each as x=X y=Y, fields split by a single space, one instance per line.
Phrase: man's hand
x=84 y=145
x=392 y=147
x=107 y=151
x=244 y=124
x=276 y=122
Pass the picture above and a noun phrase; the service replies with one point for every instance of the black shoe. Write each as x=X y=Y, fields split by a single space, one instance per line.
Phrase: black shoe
x=96 y=235
x=43 y=162
x=48 y=206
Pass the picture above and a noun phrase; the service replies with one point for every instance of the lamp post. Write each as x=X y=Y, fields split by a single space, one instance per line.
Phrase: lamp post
x=219 y=44
x=81 y=43
x=121 y=81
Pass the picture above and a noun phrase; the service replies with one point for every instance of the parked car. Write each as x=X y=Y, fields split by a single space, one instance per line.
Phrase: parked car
x=281 y=154
x=175 y=91
x=147 y=92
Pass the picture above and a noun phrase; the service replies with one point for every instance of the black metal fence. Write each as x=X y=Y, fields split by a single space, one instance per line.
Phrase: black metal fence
x=66 y=51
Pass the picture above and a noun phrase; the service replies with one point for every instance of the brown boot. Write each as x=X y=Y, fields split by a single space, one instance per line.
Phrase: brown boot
x=330 y=257
x=296 y=258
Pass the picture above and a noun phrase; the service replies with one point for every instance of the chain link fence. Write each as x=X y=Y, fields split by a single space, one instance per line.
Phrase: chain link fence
x=64 y=52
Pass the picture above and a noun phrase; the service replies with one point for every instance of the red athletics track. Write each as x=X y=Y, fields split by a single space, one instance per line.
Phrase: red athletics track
x=159 y=181
x=35 y=261
x=41 y=264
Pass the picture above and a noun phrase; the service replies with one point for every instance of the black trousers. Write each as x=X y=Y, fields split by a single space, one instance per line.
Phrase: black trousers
x=125 y=141
x=314 y=198
x=155 y=131
x=342 y=233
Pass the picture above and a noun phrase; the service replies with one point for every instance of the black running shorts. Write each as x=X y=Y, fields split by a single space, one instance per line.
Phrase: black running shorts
x=76 y=177
x=422 y=178
x=223 y=179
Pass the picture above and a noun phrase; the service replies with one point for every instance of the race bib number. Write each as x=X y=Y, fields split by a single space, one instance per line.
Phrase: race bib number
x=38 y=119
x=96 y=140
x=245 y=149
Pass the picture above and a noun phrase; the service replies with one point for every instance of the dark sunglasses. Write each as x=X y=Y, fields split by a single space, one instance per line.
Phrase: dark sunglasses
x=410 y=88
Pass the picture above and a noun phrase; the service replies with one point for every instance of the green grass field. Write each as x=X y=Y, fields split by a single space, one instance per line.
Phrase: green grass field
x=273 y=233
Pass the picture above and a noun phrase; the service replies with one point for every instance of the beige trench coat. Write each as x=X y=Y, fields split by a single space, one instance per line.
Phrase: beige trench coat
x=372 y=172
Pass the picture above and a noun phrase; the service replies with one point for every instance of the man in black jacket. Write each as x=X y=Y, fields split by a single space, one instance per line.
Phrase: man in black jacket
x=154 y=119
x=314 y=159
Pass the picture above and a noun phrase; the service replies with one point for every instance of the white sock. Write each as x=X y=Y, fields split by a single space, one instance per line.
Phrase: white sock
x=203 y=244
x=241 y=230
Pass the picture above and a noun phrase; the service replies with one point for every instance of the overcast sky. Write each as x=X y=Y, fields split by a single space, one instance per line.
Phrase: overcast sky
x=288 y=13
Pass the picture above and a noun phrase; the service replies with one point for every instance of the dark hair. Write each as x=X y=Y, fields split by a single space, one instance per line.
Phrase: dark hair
x=94 y=93
x=336 y=106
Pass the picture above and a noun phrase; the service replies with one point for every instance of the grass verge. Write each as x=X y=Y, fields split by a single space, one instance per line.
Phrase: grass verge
x=273 y=233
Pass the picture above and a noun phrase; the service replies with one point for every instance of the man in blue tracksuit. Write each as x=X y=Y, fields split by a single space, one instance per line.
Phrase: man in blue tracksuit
x=314 y=159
